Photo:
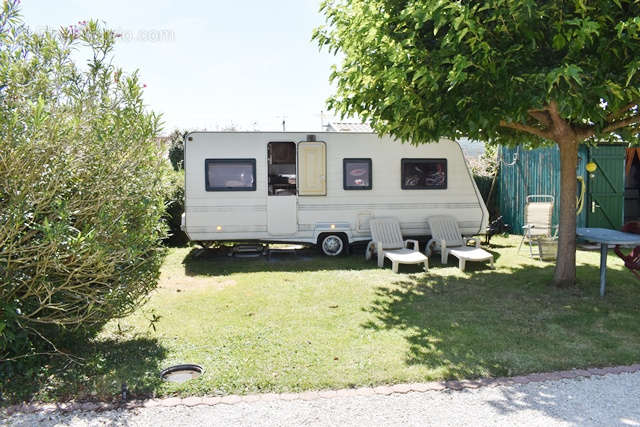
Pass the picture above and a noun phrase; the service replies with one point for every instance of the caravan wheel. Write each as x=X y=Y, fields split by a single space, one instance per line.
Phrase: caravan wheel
x=332 y=244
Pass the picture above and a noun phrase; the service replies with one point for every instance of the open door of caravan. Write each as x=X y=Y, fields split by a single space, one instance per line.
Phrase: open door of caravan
x=282 y=216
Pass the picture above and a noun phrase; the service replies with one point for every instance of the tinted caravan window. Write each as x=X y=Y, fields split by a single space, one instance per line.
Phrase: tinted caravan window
x=356 y=174
x=424 y=174
x=230 y=174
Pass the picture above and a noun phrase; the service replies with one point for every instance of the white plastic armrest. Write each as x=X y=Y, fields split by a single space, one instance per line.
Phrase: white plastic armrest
x=414 y=242
x=380 y=250
x=443 y=251
x=528 y=226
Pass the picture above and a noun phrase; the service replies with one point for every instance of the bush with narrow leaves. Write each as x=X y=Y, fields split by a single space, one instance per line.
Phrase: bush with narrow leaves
x=82 y=186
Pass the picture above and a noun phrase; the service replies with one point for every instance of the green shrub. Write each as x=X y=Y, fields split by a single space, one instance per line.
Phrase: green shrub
x=175 y=202
x=485 y=184
x=175 y=209
x=82 y=186
x=485 y=170
x=176 y=149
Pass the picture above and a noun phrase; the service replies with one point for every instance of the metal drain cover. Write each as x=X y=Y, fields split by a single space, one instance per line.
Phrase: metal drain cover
x=181 y=373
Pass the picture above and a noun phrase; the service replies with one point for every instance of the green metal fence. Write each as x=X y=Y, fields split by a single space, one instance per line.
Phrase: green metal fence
x=526 y=172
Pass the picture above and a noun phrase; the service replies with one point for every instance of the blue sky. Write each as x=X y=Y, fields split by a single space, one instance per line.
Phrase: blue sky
x=213 y=63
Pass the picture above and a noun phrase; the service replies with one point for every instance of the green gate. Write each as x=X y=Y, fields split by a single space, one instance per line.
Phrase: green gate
x=605 y=206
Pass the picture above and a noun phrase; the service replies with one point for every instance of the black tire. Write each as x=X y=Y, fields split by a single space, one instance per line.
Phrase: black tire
x=332 y=244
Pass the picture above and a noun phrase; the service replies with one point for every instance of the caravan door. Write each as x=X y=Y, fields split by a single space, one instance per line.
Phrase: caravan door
x=282 y=216
x=312 y=168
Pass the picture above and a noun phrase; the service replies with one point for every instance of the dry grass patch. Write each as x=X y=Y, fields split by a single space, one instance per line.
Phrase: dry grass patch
x=181 y=283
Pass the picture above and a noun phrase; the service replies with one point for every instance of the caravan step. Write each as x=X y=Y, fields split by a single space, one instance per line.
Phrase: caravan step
x=247 y=251
x=283 y=249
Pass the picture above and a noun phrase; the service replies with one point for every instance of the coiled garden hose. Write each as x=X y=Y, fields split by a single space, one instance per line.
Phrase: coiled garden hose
x=580 y=198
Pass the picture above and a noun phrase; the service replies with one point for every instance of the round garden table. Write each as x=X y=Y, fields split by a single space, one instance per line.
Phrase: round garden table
x=607 y=237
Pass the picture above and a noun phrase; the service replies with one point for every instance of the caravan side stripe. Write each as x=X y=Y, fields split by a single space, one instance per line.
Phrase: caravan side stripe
x=227 y=229
x=382 y=205
x=227 y=208
x=420 y=226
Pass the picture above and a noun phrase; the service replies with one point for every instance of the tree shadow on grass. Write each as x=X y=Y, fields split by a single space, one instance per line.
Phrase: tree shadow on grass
x=104 y=366
x=510 y=321
x=214 y=262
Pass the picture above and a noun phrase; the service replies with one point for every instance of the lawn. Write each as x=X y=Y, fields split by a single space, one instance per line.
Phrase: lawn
x=301 y=322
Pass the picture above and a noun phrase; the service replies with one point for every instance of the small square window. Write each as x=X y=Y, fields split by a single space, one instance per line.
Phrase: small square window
x=356 y=174
x=230 y=174
x=424 y=174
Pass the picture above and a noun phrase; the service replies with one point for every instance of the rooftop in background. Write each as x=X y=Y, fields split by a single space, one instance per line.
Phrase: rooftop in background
x=471 y=149
x=347 y=127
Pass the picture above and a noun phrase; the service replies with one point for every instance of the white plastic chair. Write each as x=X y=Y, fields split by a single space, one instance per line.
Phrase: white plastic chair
x=537 y=220
x=447 y=239
x=387 y=241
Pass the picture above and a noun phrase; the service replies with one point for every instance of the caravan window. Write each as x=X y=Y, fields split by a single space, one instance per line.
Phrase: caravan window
x=356 y=174
x=230 y=174
x=424 y=174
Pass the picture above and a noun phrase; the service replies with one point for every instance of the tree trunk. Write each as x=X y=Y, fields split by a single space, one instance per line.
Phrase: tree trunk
x=565 y=273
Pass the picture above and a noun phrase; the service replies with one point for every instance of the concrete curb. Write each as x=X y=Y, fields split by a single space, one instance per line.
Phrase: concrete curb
x=451 y=385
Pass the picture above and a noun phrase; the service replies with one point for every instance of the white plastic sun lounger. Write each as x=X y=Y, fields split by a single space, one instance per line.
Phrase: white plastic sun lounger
x=387 y=242
x=446 y=238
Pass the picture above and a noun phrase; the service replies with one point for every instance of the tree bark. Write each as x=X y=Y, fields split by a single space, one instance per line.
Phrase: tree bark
x=565 y=273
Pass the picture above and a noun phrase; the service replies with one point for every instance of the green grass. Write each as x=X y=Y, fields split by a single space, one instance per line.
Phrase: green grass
x=301 y=322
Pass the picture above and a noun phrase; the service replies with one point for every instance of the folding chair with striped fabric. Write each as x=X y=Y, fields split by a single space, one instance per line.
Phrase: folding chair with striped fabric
x=538 y=212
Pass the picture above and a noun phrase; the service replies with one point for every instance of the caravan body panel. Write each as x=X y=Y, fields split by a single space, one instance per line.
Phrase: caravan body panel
x=339 y=182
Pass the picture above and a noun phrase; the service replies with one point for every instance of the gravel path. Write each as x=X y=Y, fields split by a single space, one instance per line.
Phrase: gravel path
x=600 y=400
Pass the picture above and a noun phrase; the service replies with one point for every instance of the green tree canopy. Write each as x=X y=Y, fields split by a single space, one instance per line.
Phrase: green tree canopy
x=502 y=71
x=422 y=70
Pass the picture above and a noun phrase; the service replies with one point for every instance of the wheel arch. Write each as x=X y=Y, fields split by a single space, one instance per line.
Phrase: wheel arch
x=344 y=250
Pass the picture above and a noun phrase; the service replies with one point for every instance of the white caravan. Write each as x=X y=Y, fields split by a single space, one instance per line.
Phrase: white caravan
x=321 y=188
